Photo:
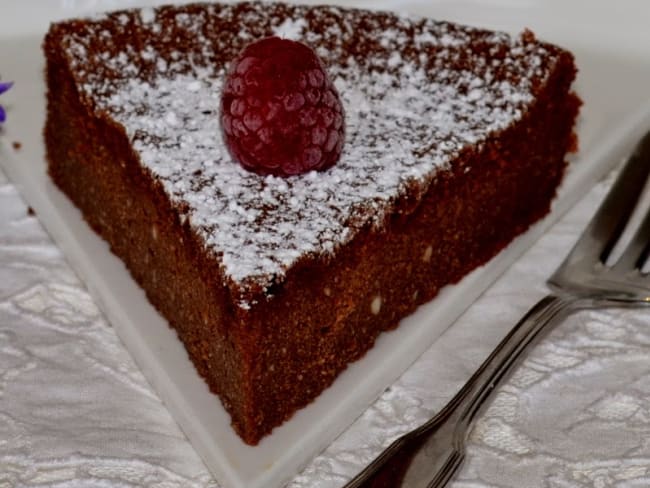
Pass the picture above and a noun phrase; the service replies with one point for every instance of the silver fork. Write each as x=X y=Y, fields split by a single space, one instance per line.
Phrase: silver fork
x=430 y=455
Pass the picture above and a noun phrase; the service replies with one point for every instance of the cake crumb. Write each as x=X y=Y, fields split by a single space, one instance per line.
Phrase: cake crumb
x=30 y=211
x=17 y=145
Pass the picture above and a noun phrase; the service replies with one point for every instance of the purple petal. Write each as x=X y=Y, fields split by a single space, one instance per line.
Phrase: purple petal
x=5 y=86
x=3 y=116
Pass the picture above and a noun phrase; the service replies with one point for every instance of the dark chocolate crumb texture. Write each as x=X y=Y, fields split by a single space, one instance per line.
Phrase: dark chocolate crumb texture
x=455 y=143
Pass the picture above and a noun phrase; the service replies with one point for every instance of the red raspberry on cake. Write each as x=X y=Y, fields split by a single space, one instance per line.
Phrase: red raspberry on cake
x=280 y=112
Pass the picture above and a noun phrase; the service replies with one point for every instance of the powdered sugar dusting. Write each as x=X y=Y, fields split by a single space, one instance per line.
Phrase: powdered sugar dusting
x=290 y=29
x=147 y=15
x=407 y=117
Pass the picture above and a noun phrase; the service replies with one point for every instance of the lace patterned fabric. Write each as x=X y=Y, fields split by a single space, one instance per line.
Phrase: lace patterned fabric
x=75 y=411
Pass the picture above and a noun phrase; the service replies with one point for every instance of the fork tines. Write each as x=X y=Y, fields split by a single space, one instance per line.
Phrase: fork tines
x=611 y=221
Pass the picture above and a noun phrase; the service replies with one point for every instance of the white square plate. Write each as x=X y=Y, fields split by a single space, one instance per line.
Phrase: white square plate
x=616 y=111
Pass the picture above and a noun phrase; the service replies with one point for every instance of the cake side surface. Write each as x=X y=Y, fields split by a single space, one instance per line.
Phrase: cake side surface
x=457 y=139
x=464 y=219
x=129 y=209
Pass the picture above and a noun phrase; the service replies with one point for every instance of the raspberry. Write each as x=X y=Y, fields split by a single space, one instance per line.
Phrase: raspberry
x=280 y=112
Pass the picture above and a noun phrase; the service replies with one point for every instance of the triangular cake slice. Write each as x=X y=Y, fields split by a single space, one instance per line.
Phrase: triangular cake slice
x=456 y=142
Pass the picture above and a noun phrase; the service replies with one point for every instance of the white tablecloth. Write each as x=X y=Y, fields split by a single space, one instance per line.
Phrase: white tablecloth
x=76 y=411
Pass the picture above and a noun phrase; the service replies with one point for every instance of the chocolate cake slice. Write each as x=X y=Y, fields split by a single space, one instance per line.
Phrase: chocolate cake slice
x=456 y=143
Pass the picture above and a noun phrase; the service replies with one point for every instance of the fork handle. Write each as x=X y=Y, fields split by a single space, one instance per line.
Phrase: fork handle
x=430 y=455
x=532 y=327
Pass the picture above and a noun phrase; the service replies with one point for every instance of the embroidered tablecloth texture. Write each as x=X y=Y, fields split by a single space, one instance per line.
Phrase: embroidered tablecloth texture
x=75 y=411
